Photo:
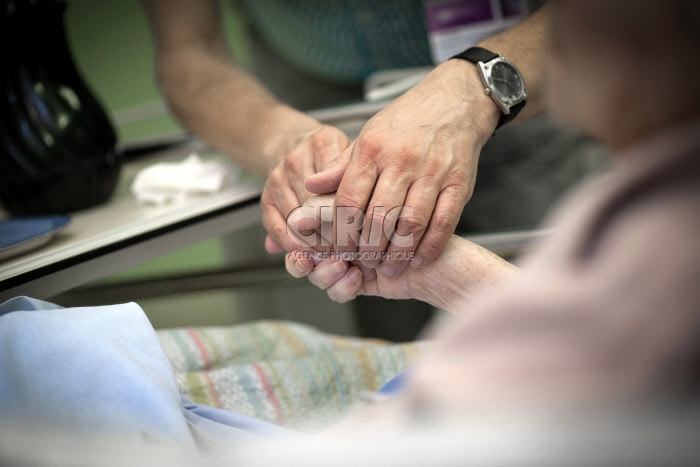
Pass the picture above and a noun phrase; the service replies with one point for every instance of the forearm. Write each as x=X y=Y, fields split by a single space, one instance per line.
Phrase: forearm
x=211 y=95
x=459 y=274
x=228 y=108
x=523 y=44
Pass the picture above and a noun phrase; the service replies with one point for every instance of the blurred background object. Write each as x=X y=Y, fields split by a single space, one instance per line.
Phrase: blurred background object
x=57 y=146
x=112 y=47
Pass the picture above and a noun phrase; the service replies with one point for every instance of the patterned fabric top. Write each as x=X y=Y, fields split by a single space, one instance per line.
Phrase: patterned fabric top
x=343 y=40
x=281 y=372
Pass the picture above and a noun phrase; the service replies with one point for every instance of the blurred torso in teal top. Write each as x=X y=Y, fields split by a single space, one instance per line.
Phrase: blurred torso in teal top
x=343 y=40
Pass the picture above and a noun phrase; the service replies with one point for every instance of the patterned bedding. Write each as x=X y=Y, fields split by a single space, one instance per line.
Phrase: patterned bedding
x=285 y=373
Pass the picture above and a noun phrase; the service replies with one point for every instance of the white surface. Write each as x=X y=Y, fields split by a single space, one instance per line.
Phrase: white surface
x=123 y=218
x=165 y=182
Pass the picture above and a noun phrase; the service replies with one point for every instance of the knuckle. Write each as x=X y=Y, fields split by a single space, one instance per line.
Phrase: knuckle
x=275 y=179
x=291 y=163
x=407 y=155
x=326 y=145
x=318 y=142
x=445 y=218
x=278 y=231
x=322 y=138
x=376 y=218
x=415 y=224
x=370 y=144
x=371 y=152
x=347 y=199
x=434 y=165
x=444 y=223
x=459 y=187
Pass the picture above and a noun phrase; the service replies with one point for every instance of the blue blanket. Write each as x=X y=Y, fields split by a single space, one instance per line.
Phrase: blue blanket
x=102 y=370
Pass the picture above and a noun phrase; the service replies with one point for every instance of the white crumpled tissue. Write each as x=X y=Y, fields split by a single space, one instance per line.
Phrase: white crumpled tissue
x=172 y=181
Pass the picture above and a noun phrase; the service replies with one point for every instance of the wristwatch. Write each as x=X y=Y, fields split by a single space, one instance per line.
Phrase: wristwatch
x=501 y=79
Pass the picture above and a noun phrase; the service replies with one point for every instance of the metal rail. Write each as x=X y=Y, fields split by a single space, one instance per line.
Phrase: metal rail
x=504 y=244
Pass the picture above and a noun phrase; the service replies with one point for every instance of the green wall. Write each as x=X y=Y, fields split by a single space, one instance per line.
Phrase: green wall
x=112 y=47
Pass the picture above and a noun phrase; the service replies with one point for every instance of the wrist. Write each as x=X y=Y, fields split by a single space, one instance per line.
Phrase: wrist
x=459 y=275
x=285 y=128
x=440 y=282
x=481 y=112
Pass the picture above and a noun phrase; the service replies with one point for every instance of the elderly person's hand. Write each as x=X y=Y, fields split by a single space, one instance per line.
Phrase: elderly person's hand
x=421 y=151
x=462 y=270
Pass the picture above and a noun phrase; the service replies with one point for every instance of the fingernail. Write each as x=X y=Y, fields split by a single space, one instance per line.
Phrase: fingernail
x=354 y=275
x=338 y=268
x=416 y=262
x=301 y=266
x=388 y=271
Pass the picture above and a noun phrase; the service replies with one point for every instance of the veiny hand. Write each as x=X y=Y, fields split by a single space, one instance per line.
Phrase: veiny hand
x=421 y=151
x=461 y=269
x=284 y=190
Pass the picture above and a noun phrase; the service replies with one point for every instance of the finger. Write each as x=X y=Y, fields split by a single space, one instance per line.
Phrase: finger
x=281 y=233
x=352 y=199
x=411 y=226
x=328 y=179
x=367 y=273
x=322 y=206
x=285 y=186
x=276 y=227
x=284 y=197
x=296 y=168
x=299 y=263
x=278 y=200
x=442 y=225
x=347 y=287
x=383 y=210
x=302 y=217
x=328 y=272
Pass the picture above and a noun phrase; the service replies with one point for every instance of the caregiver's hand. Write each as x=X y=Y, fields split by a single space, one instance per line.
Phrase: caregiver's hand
x=421 y=151
x=284 y=190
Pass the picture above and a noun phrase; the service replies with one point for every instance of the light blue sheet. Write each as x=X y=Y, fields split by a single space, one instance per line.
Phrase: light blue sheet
x=101 y=370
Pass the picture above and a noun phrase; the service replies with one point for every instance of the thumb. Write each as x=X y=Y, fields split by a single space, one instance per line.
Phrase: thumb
x=328 y=180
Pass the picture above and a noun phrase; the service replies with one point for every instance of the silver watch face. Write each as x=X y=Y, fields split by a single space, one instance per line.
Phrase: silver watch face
x=507 y=81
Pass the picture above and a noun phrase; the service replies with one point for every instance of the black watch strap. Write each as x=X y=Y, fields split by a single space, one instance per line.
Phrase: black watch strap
x=514 y=111
x=476 y=55
x=479 y=54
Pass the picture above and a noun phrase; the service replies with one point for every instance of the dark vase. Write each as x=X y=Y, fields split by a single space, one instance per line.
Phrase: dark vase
x=57 y=146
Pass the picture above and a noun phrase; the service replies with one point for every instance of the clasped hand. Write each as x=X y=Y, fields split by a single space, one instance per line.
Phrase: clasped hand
x=419 y=153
